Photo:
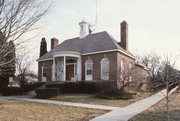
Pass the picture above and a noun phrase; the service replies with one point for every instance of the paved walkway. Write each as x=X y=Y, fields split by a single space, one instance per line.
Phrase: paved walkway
x=60 y=102
x=117 y=113
x=124 y=114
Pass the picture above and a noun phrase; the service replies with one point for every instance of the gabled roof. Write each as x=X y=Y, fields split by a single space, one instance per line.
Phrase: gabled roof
x=92 y=43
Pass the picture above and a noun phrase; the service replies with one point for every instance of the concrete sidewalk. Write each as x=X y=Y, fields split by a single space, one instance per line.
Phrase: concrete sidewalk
x=60 y=103
x=117 y=113
x=124 y=114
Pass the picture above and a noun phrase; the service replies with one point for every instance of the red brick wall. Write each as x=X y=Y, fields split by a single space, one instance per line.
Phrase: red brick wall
x=48 y=64
x=97 y=64
x=115 y=62
x=114 y=58
x=140 y=74
x=127 y=61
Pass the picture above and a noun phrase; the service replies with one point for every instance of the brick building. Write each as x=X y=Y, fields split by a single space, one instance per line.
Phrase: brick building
x=88 y=57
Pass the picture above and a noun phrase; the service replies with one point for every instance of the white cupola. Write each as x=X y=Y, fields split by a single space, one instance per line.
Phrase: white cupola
x=84 y=29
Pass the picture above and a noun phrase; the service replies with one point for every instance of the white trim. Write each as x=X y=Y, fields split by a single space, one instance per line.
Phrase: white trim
x=77 y=54
x=88 y=77
x=70 y=63
x=102 y=76
x=127 y=54
x=64 y=68
x=100 y=52
x=110 y=51
x=44 y=60
x=43 y=79
x=54 y=70
x=66 y=53
x=79 y=68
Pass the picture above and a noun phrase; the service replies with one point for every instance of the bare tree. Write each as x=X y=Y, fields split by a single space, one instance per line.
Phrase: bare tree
x=153 y=63
x=170 y=77
x=23 y=64
x=124 y=75
x=17 y=17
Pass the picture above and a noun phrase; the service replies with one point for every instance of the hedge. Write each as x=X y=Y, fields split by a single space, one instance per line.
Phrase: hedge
x=45 y=93
x=4 y=81
x=32 y=86
x=86 y=87
x=8 y=91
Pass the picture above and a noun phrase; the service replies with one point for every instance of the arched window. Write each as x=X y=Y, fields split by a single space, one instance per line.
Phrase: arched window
x=122 y=69
x=44 y=73
x=105 y=68
x=89 y=69
x=130 y=71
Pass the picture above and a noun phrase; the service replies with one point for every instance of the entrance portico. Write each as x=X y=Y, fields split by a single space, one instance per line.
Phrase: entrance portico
x=66 y=66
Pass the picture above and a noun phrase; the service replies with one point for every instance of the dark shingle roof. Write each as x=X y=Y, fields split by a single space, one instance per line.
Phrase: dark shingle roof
x=101 y=41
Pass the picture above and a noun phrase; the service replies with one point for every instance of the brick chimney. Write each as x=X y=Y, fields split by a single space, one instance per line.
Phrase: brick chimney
x=54 y=43
x=124 y=35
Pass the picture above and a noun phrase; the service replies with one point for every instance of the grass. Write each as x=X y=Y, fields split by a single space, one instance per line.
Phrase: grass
x=158 y=111
x=91 y=99
x=12 y=110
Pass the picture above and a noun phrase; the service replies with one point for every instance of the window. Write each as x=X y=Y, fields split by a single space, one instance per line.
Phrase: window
x=89 y=69
x=105 y=68
x=44 y=73
x=130 y=71
x=52 y=72
x=82 y=27
x=122 y=69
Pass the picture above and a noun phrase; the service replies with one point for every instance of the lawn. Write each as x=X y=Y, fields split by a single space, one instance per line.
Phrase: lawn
x=158 y=111
x=12 y=110
x=91 y=99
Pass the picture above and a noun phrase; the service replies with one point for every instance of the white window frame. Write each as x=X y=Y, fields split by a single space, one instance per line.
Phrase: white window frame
x=130 y=72
x=44 y=78
x=52 y=72
x=87 y=76
x=122 y=68
x=105 y=76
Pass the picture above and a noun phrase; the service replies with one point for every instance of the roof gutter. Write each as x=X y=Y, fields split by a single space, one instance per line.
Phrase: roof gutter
x=114 y=50
x=111 y=51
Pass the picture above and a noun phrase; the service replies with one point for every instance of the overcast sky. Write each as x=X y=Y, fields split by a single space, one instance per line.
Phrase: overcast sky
x=154 y=25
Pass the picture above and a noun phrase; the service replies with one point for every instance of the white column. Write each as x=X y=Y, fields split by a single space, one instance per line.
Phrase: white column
x=64 y=68
x=53 y=73
x=79 y=68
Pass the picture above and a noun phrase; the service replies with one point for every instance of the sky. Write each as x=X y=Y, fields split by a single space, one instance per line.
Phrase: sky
x=154 y=25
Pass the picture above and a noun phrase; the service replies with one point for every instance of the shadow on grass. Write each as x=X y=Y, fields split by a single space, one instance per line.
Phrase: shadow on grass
x=174 y=115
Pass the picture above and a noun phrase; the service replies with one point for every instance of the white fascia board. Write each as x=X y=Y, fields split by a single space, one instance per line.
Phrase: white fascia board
x=76 y=54
x=110 y=51
x=44 y=60
x=127 y=54
x=67 y=53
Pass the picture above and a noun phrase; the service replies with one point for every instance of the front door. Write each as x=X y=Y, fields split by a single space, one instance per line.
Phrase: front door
x=69 y=72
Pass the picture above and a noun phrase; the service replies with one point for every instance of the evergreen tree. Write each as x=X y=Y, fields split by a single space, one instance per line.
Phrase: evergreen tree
x=43 y=47
x=7 y=70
